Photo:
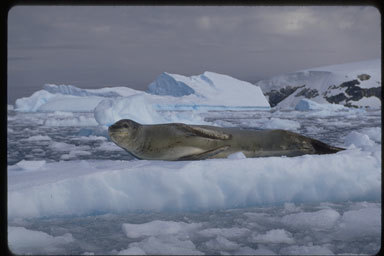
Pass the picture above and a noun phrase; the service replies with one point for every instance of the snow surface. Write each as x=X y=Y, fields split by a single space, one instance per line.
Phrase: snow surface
x=200 y=185
x=321 y=78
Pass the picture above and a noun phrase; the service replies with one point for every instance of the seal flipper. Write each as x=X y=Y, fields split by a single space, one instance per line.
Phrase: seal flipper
x=205 y=155
x=322 y=148
x=203 y=132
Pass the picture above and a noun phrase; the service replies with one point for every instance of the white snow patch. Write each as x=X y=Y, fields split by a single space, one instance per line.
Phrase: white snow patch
x=372 y=102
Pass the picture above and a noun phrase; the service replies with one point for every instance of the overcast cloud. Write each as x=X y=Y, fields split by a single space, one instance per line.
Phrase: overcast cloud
x=93 y=47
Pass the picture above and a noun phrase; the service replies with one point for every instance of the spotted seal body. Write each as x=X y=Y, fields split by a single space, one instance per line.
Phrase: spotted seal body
x=177 y=141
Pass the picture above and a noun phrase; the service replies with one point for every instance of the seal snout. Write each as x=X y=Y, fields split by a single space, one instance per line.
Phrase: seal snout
x=114 y=127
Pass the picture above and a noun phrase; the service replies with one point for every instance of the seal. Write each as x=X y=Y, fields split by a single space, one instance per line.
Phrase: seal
x=178 y=141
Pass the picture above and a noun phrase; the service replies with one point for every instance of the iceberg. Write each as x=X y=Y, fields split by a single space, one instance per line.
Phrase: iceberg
x=68 y=98
x=211 y=90
x=166 y=100
x=307 y=105
x=170 y=95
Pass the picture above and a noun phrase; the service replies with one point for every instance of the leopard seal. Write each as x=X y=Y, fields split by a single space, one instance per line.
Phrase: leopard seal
x=178 y=141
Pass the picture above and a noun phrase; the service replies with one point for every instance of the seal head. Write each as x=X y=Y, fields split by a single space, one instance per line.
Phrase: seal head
x=124 y=132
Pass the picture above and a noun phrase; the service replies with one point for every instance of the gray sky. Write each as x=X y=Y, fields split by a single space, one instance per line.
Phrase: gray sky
x=92 y=47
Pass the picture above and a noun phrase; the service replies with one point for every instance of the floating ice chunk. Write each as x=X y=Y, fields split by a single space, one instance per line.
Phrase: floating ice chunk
x=237 y=155
x=25 y=241
x=166 y=245
x=305 y=250
x=323 y=219
x=363 y=222
x=158 y=227
x=132 y=251
x=274 y=236
x=221 y=243
x=234 y=232
x=307 y=105
x=291 y=207
x=31 y=165
x=358 y=140
x=374 y=133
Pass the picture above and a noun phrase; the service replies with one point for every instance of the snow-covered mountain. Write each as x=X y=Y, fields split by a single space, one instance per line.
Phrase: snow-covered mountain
x=211 y=89
x=356 y=84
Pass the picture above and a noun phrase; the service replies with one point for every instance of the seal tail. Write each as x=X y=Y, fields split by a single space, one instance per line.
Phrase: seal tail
x=322 y=148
